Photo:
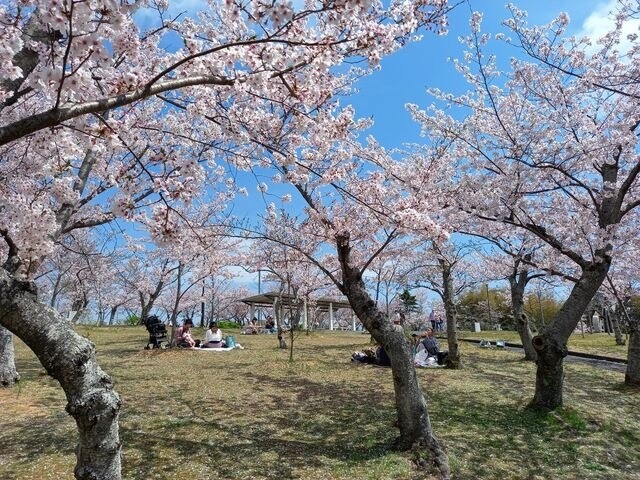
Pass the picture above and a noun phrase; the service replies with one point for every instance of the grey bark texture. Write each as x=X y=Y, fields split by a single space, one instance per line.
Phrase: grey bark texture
x=8 y=373
x=632 y=375
x=551 y=346
x=617 y=331
x=517 y=284
x=112 y=314
x=453 y=358
x=413 y=418
x=71 y=360
x=279 y=317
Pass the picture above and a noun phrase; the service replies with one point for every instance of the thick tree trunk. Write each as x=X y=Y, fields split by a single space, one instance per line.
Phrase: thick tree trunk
x=518 y=283
x=453 y=358
x=632 y=375
x=411 y=406
x=147 y=305
x=617 y=331
x=8 y=372
x=550 y=372
x=70 y=359
x=551 y=346
x=112 y=314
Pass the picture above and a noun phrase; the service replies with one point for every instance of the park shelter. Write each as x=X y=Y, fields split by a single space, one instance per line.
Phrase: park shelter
x=323 y=305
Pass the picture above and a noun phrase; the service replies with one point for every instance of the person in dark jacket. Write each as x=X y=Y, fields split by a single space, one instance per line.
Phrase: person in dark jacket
x=430 y=344
x=379 y=357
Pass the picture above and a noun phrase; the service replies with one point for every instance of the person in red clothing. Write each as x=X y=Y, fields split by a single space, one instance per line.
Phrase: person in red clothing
x=183 y=335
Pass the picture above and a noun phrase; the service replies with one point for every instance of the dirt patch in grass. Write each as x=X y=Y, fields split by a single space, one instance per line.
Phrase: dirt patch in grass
x=250 y=414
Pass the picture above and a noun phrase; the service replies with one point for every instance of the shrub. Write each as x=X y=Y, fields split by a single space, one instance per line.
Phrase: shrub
x=132 y=320
x=227 y=324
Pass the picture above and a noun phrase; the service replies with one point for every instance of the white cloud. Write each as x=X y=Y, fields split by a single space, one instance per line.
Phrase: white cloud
x=601 y=21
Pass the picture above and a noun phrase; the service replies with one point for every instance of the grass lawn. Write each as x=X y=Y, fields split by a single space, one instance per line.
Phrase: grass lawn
x=252 y=415
x=596 y=343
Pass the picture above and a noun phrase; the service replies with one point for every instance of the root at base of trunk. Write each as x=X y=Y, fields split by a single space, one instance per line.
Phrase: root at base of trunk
x=428 y=457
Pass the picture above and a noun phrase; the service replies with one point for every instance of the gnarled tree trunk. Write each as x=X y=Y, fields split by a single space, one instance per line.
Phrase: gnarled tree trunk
x=518 y=283
x=453 y=358
x=413 y=417
x=550 y=371
x=551 y=346
x=8 y=373
x=632 y=375
x=617 y=331
x=70 y=359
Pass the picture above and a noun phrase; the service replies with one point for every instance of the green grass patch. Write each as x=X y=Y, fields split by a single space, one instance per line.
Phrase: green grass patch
x=596 y=343
x=250 y=414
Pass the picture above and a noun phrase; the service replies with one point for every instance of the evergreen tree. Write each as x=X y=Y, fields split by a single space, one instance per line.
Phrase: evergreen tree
x=409 y=302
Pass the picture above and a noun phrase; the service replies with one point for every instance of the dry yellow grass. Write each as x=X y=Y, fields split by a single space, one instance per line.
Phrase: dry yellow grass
x=252 y=415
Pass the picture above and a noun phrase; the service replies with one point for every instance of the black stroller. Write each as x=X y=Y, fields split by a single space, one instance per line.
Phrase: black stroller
x=157 y=333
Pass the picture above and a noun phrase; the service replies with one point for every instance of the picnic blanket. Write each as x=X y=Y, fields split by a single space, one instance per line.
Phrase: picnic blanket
x=221 y=349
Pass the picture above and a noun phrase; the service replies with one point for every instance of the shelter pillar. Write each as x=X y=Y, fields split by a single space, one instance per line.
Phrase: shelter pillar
x=275 y=313
x=330 y=316
x=305 y=313
x=353 y=322
x=252 y=312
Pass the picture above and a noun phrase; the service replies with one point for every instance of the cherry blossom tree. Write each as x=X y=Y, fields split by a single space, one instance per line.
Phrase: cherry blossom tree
x=99 y=122
x=550 y=147
x=446 y=268
x=349 y=220
x=297 y=276
x=621 y=285
x=519 y=258
x=386 y=277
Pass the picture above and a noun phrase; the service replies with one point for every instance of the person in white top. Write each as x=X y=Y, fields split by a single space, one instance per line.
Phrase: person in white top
x=213 y=337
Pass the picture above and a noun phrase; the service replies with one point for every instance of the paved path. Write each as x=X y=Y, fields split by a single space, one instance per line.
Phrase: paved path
x=609 y=363
x=596 y=362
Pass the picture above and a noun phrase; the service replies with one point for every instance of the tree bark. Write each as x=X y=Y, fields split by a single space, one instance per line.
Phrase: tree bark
x=411 y=406
x=550 y=372
x=71 y=360
x=551 y=346
x=617 y=331
x=453 y=358
x=112 y=314
x=147 y=305
x=632 y=375
x=8 y=373
x=277 y=312
x=518 y=283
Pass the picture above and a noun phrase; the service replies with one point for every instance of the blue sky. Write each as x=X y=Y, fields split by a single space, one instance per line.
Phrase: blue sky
x=406 y=75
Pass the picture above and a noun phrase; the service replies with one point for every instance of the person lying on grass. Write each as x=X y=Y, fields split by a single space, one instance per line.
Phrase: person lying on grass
x=379 y=357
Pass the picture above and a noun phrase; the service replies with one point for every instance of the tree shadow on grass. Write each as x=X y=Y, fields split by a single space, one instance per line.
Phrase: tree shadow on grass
x=316 y=425
x=26 y=443
x=544 y=441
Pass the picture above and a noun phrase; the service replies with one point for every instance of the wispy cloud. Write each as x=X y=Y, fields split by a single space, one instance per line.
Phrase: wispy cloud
x=602 y=20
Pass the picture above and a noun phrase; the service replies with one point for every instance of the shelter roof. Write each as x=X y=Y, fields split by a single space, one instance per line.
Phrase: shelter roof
x=322 y=303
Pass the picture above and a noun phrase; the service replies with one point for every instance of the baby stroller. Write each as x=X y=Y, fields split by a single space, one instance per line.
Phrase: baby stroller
x=157 y=333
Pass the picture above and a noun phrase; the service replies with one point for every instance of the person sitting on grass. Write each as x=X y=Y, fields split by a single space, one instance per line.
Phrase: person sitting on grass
x=430 y=344
x=270 y=325
x=213 y=337
x=183 y=335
